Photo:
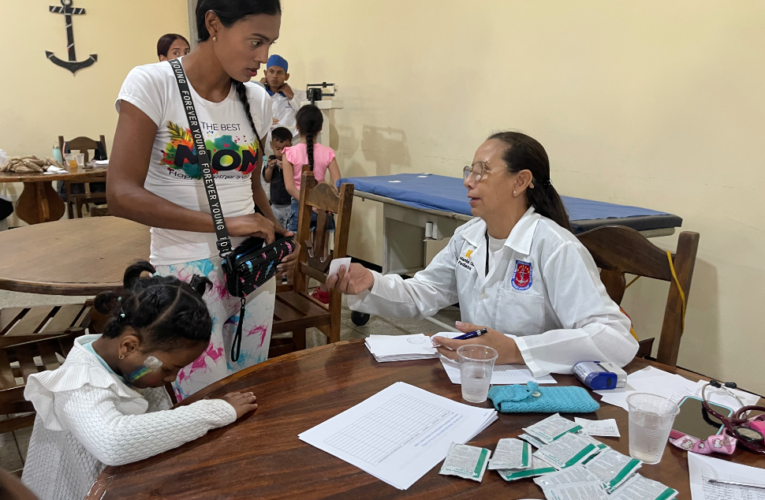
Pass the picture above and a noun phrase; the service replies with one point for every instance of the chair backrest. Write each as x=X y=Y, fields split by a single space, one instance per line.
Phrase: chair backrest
x=618 y=250
x=82 y=144
x=17 y=363
x=313 y=263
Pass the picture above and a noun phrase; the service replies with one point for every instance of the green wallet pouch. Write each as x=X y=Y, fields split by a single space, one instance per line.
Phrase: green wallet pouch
x=531 y=398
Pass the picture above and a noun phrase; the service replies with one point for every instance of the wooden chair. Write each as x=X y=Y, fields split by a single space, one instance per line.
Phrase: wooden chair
x=82 y=144
x=29 y=334
x=295 y=310
x=19 y=360
x=618 y=250
x=49 y=320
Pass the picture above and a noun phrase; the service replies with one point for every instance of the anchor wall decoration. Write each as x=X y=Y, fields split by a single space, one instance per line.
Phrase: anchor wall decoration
x=72 y=64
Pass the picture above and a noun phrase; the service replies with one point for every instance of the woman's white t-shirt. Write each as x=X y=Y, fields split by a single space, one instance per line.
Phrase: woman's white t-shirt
x=174 y=173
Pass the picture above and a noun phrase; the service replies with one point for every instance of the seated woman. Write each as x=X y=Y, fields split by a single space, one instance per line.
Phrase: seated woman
x=516 y=269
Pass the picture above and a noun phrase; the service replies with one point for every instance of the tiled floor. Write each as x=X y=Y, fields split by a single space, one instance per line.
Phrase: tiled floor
x=13 y=446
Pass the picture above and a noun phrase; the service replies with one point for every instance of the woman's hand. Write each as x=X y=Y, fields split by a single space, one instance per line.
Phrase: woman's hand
x=508 y=351
x=356 y=280
x=289 y=262
x=251 y=225
x=243 y=402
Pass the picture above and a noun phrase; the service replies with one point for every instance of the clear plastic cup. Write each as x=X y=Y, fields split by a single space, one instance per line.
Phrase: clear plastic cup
x=71 y=163
x=651 y=419
x=476 y=367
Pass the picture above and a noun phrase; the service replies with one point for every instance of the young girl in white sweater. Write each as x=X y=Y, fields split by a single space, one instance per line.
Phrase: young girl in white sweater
x=106 y=405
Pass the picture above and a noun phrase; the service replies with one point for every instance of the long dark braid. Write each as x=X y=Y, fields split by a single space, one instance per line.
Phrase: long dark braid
x=309 y=121
x=309 y=149
x=241 y=91
x=163 y=310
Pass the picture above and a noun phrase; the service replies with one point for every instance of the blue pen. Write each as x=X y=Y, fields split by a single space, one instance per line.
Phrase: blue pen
x=472 y=335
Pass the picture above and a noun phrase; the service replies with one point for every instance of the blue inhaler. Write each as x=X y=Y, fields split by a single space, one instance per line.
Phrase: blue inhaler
x=600 y=375
x=149 y=365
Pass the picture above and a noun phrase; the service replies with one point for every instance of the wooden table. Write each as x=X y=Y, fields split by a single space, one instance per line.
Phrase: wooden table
x=71 y=256
x=260 y=456
x=39 y=202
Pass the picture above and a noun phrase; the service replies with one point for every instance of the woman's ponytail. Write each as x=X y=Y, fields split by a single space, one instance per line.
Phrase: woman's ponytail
x=526 y=153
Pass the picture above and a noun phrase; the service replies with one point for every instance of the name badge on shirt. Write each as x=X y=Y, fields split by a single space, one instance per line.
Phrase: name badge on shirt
x=522 y=275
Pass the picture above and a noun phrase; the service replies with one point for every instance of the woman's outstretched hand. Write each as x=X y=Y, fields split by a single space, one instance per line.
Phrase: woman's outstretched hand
x=351 y=281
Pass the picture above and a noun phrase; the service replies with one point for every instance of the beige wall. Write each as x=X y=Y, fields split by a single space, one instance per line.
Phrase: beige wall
x=656 y=103
x=40 y=101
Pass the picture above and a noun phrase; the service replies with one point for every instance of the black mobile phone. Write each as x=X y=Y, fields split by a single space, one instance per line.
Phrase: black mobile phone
x=694 y=420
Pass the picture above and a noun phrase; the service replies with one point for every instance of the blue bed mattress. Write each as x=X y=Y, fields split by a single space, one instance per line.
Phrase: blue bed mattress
x=448 y=194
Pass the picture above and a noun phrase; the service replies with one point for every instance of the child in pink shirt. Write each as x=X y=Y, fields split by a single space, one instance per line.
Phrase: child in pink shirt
x=322 y=161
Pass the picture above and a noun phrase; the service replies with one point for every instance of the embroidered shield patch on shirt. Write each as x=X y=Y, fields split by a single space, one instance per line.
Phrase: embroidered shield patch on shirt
x=522 y=275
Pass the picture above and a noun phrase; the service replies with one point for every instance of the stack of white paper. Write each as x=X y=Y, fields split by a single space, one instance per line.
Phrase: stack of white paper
x=502 y=374
x=650 y=380
x=671 y=386
x=387 y=348
x=400 y=433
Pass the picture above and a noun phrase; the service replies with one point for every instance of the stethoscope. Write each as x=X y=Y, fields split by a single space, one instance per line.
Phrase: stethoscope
x=751 y=439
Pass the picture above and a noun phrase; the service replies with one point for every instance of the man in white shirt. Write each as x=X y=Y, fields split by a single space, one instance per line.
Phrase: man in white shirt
x=286 y=101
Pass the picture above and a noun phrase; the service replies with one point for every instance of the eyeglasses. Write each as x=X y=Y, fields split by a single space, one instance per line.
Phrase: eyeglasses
x=478 y=169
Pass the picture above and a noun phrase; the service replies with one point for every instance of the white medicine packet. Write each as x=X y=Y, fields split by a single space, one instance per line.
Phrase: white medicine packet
x=576 y=474
x=602 y=428
x=511 y=453
x=536 y=443
x=612 y=468
x=569 y=450
x=468 y=462
x=538 y=468
x=336 y=264
x=642 y=488
x=576 y=491
x=552 y=428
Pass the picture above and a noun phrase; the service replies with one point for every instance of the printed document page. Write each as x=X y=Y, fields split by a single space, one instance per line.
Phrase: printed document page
x=400 y=433
x=702 y=469
x=502 y=374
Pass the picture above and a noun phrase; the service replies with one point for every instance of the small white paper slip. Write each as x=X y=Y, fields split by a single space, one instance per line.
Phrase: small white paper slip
x=602 y=428
x=536 y=443
x=466 y=461
x=538 y=468
x=567 y=451
x=576 y=474
x=612 y=468
x=576 y=491
x=642 y=488
x=511 y=454
x=394 y=182
x=336 y=264
x=552 y=428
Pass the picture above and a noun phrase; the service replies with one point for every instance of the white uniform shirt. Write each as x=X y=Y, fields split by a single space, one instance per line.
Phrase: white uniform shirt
x=545 y=289
x=285 y=109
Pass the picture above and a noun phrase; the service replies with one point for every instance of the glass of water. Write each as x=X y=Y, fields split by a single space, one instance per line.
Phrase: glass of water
x=651 y=419
x=476 y=367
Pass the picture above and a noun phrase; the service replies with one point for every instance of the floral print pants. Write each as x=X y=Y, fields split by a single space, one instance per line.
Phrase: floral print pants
x=215 y=363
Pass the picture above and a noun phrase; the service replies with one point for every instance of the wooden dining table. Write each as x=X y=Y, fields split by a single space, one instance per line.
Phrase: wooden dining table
x=260 y=456
x=39 y=202
x=71 y=256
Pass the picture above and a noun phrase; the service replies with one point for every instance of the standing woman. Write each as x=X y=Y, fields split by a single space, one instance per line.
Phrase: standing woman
x=172 y=46
x=154 y=177
x=516 y=270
